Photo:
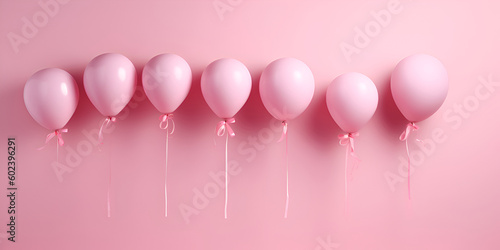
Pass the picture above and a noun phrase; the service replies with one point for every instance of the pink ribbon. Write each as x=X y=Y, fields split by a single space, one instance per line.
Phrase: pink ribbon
x=58 y=133
x=404 y=137
x=105 y=124
x=284 y=136
x=165 y=118
x=108 y=196
x=410 y=127
x=285 y=131
x=222 y=126
x=348 y=140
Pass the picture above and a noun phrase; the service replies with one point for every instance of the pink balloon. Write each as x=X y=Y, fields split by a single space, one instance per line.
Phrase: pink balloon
x=286 y=88
x=226 y=85
x=110 y=81
x=352 y=99
x=419 y=86
x=166 y=79
x=51 y=96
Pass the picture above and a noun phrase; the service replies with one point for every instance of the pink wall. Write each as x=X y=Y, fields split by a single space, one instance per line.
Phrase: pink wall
x=455 y=186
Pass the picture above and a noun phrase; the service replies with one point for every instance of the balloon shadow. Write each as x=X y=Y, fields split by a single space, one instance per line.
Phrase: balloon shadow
x=85 y=113
x=254 y=115
x=392 y=119
x=194 y=108
x=322 y=128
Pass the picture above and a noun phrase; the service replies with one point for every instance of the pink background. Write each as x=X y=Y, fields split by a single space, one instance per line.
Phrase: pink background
x=455 y=186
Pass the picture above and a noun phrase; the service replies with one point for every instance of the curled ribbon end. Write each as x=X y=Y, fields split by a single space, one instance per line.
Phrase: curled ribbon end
x=164 y=122
x=231 y=132
x=59 y=135
x=286 y=207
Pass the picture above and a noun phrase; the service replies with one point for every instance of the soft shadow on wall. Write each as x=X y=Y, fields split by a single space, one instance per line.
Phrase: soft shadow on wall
x=253 y=115
x=393 y=122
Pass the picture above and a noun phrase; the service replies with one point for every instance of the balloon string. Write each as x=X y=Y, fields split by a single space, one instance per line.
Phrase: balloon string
x=221 y=129
x=346 y=181
x=408 y=157
x=348 y=141
x=225 y=203
x=105 y=124
x=57 y=152
x=165 y=118
x=404 y=137
x=109 y=189
x=166 y=163
x=285 y=133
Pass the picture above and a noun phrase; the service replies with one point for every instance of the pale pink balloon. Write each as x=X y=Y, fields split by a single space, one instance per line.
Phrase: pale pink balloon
x=352 y=99
x=51 y=96
x=286 y=88
x=226 y=85
x=419 y=86
x=110 y=81
x=166 y=80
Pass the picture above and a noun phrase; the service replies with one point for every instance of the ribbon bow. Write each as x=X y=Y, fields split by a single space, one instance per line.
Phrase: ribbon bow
x=165 y=118
x=105 y=124
x=345 y=139
x=285 y=131
x=58 y=133
x=222 y=126
x=410 y=127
